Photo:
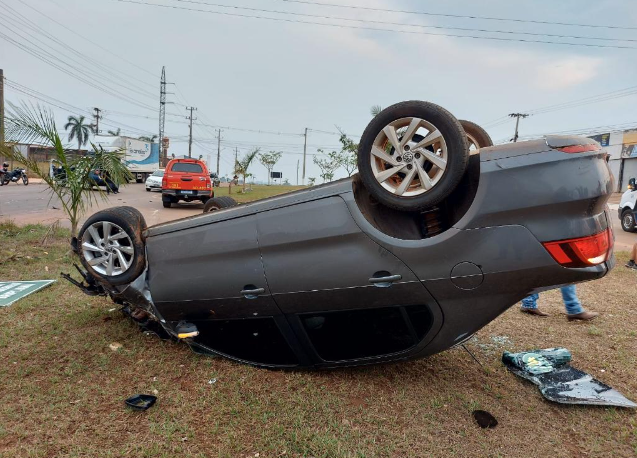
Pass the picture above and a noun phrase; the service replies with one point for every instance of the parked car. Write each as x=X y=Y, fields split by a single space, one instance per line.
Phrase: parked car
x=187 y=180
x=412 y=256
x=154 y=181
x=627 y=211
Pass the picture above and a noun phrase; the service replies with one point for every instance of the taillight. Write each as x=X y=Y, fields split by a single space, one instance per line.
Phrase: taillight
x=580 y=148
x=164 y=182
x=583 y=251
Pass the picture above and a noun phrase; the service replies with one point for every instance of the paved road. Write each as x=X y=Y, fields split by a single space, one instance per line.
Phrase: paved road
x=30 y=204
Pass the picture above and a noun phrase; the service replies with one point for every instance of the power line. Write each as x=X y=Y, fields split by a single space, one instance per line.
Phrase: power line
x=411 y=32
x=460 y=16
x=402 y=24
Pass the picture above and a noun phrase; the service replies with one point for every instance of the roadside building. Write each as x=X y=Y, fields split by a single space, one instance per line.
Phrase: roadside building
x=622 y=147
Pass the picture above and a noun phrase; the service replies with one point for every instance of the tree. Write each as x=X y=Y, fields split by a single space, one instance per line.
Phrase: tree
x=148 y=139
x=269 y=160
x=115 y=132
x=375 y=109
x=349 y=153
x=79 y=130
x=73 y=186
x=328 y=165
x=241 y=167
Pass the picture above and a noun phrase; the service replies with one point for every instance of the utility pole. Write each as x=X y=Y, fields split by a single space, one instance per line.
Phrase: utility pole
x=218 y=149
x=304 y=155
x=517 y=123
x=297 y=172
x=97 y=117
x=1 y=107
x=162 y=118
x=190 y=137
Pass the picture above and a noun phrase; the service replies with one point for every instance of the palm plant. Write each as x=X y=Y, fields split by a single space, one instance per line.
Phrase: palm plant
x=115 y=132
x=79 y=130
x=241 y=167
x=148 y=139
x=73 y=184
x=375 y=109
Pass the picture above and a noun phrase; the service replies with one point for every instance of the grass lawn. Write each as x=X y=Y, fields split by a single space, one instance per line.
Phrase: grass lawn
x=259 y=191
x=62 y=387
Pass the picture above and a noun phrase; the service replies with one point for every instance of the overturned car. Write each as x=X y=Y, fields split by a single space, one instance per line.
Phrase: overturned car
x=421 y=249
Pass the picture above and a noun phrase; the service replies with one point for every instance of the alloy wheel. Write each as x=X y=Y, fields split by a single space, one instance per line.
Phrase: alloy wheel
x=406 y=166
x=107 y=248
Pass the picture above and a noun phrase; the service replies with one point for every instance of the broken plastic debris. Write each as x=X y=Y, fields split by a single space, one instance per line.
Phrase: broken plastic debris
x=212 y=381
x=115 y=346
x=140 y=401
x=559 y=382
x=485 y=419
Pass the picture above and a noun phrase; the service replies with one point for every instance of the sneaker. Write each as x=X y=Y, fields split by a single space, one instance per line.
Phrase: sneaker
x=631 y=264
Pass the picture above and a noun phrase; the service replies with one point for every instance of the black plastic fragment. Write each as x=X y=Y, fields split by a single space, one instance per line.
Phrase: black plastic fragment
x=485 y=419
x=141 y=401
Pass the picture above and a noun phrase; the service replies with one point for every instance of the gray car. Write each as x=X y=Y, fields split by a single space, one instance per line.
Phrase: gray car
x=412 y=256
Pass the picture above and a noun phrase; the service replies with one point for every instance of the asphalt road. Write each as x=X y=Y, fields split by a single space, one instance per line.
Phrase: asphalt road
x=32 y=204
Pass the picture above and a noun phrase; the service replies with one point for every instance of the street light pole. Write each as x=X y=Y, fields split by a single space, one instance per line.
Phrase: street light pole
x=304 y=155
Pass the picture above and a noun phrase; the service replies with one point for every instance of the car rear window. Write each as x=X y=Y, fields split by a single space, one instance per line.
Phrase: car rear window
x=187 y=167
x=158 y=173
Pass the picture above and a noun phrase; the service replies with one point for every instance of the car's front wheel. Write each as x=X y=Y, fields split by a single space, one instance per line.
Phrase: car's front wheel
x=628 y=220
x=110 y=245
x=412 y=155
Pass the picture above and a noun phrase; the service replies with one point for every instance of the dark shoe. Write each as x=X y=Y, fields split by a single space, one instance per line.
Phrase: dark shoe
x=630 y=264
x=584 y=316
x=534 y=311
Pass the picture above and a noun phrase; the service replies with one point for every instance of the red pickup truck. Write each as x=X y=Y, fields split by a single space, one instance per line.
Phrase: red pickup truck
x=187 y=180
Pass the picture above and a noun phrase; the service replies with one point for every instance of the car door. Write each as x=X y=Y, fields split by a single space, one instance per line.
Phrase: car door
x=348 y=297
x=211 y=275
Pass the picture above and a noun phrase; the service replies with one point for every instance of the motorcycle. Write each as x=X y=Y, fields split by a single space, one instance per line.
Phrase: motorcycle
x=14 y=177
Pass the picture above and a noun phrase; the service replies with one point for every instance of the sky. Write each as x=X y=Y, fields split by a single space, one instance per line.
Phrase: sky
x=264 y=81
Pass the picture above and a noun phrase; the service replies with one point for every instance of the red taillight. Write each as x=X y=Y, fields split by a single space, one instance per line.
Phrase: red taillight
x=583 y=251
x=164 y=182
x=580 y=148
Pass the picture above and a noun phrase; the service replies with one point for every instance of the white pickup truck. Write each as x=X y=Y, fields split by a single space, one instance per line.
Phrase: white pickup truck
x=627 y=208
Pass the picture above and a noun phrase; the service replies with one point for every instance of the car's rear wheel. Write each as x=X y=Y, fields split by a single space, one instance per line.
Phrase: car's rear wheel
x=215 y=204
x=110 y=245
x=476 y=136
x=167 y=204
x=628 y=220
x=412 y=155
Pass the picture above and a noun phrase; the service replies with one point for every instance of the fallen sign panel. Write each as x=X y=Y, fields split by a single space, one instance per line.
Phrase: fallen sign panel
x=559 y=382
x=11 y=291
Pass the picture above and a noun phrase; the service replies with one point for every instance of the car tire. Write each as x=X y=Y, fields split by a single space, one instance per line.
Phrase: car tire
x=628 y=220
x=230 y=202
x=476 y=135
x=147 y=189
x=424 y=177
x=123 y=252
x=214 y=204
x=167 y=204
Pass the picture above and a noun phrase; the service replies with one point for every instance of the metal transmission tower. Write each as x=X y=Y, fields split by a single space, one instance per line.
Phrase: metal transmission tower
x=517 y=123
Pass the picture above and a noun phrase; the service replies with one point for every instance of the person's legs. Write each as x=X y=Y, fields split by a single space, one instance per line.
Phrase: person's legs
x=529 y=305
x=633 y=257
x=571 y=302
x=530 y=302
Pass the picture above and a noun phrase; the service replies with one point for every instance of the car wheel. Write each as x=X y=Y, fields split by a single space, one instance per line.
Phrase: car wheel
x=230 y=202
x=628 y=220
x=147 y=189
x=110 y=245
x=214 y=204
x=411 y=175
x=476 y=136
x=166 y=204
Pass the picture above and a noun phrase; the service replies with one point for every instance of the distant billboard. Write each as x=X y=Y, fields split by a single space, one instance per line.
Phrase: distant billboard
x=629 y=144
x=602 y=139
x=276 y=174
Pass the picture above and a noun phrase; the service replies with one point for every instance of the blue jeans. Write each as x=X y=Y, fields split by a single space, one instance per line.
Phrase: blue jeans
x=569 y=295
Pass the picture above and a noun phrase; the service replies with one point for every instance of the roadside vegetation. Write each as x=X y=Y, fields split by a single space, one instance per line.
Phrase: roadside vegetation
x=63 y=387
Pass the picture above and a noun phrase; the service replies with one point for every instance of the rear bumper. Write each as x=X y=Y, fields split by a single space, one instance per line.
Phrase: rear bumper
x=178 y=193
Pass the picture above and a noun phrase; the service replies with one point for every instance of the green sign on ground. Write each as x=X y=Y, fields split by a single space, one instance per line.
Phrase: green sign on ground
x=11 y=291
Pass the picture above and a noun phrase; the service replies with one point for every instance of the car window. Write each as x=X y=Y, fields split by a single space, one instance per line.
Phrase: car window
x=187 y=167
x=158 y=173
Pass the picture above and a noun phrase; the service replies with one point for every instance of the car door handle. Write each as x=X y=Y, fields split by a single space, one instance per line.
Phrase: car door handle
x=252 y=292
x=386 y=280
